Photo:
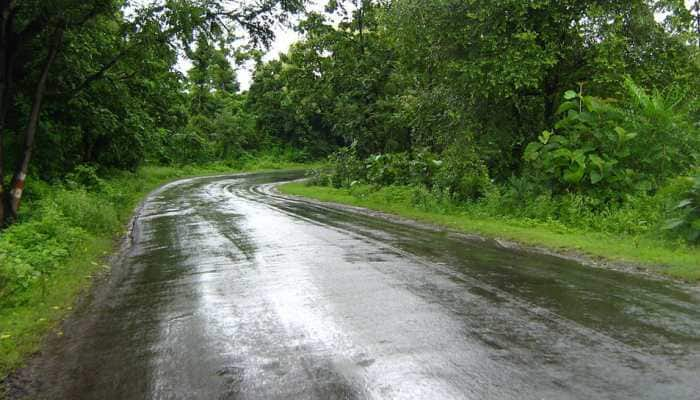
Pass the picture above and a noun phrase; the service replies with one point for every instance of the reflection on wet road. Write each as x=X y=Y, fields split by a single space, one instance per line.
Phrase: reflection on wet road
x=229 y=291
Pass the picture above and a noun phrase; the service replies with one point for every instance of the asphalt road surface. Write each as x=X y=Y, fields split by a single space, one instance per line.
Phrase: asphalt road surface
x=227 y=290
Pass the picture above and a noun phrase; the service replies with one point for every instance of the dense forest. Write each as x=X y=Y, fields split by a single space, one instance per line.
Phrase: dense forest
x=94 y=83
x=593 y=98
x=579 y=113
x=575 y=113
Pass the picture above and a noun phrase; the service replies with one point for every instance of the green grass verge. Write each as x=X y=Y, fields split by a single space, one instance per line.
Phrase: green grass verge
x=22 y=328
x=672 y=259
x=46 y=302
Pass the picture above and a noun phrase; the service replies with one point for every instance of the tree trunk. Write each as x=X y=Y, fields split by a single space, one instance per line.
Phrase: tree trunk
x=697 y=21
x=2 y=175
x=3 y=89
x=20 y=176
x=7 y=57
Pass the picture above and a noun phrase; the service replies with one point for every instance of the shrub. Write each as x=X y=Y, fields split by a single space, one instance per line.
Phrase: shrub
x=388 y=169
x=689 y=209
x=84 y=176
x=521 y=196
x=318 y=177
x=431 y=200
x=423 y=167
x=30 y=251
x=607 y=148
x=462 y=174
x=346 y=167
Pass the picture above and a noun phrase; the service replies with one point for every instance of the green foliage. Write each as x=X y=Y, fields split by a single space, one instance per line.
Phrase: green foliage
x=61 y=217
x=317 y=102
x=94 y=212
x=587 y=148
x=84 y=176
x=462 y=174
x=610 y=148
x=346 y=167
x=689 y=209
x=388 y=169
x=29 y=252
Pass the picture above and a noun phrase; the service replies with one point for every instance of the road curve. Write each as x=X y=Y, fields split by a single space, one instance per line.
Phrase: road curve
x=229 y=291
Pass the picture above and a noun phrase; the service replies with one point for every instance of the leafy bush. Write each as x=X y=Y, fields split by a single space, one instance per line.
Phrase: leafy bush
x=84 y=176
x=347 y=167
x=318 y=177
x=608 y=149
x=431 y=200
x=57 y=220
x=93 y=212
x=635 y=215
x=587 y=150
x=388 y=169
x=423 y=167
x=689 y=208
x=520 y=196
x=462 y=174
x=30 y=251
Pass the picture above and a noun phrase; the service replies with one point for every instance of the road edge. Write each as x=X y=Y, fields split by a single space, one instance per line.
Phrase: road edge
x=15 y=383
x=580 y=257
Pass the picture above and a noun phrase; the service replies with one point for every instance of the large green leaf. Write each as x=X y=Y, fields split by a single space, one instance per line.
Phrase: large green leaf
x=532 y=151
x=684 y=203
x=567 y=106
x=674 y=223
x=559 y=139
x=579 y=157
x=596 y=177
x=574 y=174
x=562 y=153
x=597 y=161
x=544 y=137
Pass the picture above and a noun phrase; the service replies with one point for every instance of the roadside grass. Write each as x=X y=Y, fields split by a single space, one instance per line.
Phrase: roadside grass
x=95 y=220
x=673 y=259
x=23 y=327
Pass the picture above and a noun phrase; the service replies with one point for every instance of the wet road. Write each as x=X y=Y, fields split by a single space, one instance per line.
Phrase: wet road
x=228 y=291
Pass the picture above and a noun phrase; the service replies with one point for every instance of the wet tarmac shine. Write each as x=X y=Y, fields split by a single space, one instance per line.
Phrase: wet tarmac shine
x=230 y=291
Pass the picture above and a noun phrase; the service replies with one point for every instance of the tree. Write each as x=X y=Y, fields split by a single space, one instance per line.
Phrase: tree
x=31 y=31
x=505 y=64
x=34 y=35
x=696 y=11
x=332 y=88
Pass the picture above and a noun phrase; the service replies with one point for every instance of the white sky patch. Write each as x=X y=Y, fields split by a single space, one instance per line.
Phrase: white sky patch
x=285 y=36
